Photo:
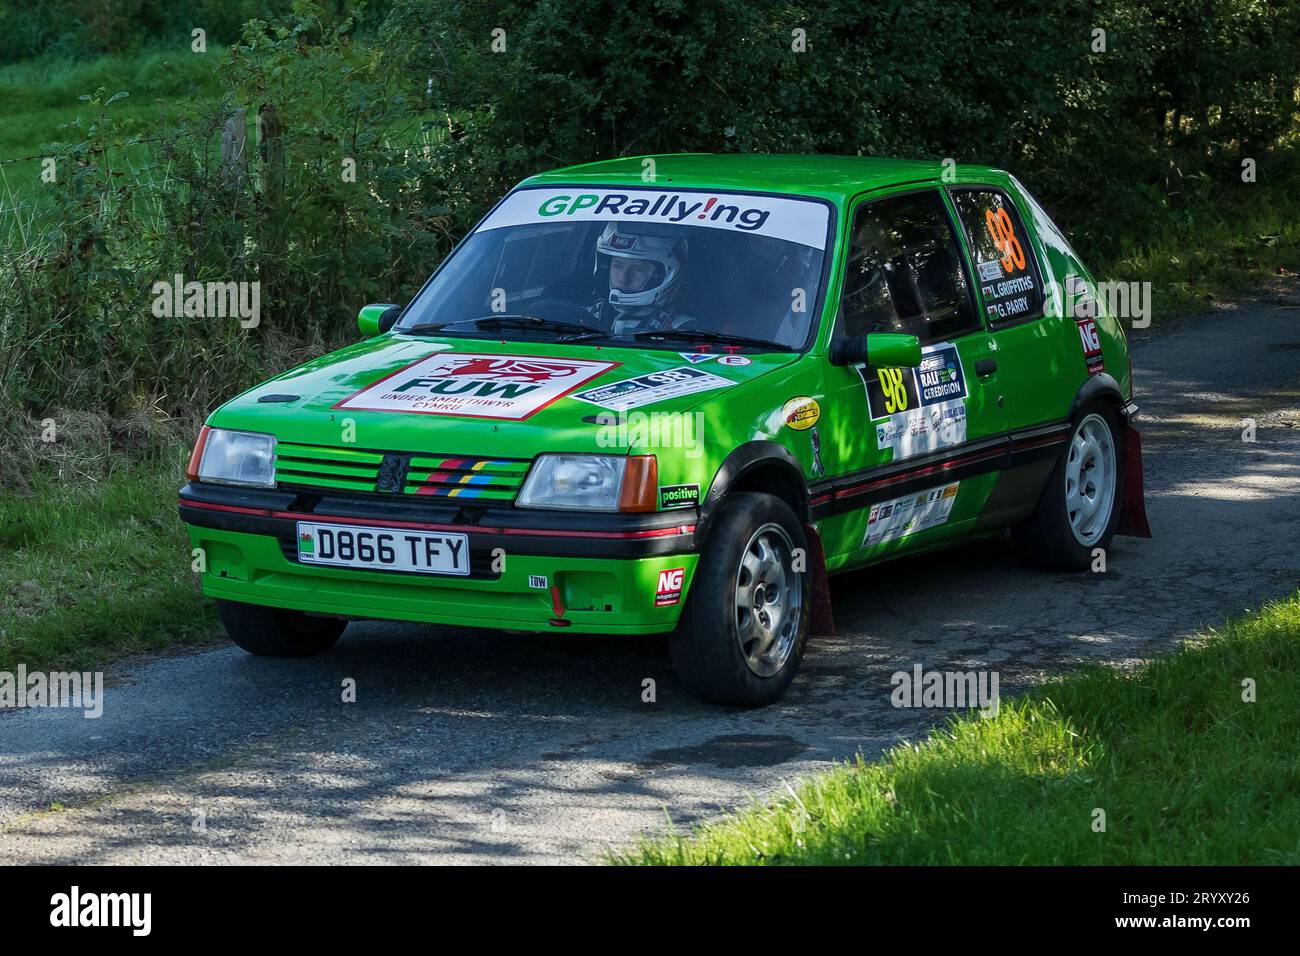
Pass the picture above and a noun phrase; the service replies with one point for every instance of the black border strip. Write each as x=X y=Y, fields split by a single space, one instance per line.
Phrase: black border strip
x=861 y=489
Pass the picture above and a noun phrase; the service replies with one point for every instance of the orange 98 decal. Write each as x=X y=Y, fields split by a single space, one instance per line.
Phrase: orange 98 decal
x=1004 y=267
x=1004 y=238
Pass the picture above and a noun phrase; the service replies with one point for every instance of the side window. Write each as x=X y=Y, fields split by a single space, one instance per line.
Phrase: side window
x=1004 y=261
x=905 y=272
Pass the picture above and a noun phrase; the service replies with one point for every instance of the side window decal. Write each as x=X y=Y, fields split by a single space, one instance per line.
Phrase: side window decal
x=1008 y=276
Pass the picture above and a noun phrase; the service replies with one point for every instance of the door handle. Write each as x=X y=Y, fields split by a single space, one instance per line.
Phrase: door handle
x=985 y=367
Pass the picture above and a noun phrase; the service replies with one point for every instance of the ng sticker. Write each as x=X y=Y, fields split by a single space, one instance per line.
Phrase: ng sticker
x=669 y=588
x=1091 y=343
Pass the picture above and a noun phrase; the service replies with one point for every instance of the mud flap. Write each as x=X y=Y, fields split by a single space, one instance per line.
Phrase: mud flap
x=1133 y=517
x=822 y=622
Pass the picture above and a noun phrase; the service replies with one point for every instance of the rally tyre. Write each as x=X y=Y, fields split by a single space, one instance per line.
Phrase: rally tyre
x=1080 y=507
x=741 y=635
x=270 y=632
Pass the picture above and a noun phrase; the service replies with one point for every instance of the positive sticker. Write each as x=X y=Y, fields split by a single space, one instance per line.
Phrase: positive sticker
x=511 y=387
x=695 y=358
x=678 y=496
x=653 y=387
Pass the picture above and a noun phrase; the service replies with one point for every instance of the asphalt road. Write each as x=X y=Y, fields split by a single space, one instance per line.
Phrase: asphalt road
x=470 y=746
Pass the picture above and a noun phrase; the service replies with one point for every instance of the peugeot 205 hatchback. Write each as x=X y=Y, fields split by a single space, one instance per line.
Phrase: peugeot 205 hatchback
x=627 y=406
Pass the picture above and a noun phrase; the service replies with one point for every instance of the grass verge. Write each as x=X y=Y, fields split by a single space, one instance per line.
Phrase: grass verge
x=1212 y=251
x=1186 y=771
x=93 y=569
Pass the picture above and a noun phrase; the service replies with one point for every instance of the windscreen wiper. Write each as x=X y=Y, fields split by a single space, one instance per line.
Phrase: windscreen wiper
x=518 y=321
x=721 y=338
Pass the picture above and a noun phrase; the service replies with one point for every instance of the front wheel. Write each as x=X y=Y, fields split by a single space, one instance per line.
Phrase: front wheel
x=1080 y=507
x=741 y=636
x=271 y=632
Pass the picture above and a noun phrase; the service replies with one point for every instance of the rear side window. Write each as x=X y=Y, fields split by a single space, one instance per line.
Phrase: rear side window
x=905 y=272
x=1004 y=261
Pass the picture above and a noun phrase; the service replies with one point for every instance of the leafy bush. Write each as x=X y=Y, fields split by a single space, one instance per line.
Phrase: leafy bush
x=78 y=330
x=85 y=28
x=1182 y=93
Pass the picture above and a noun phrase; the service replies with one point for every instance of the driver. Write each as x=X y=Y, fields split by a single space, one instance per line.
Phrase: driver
x=646 y=262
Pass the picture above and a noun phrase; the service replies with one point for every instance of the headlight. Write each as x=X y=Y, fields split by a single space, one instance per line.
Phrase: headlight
x=238 y=458
x=578 y=482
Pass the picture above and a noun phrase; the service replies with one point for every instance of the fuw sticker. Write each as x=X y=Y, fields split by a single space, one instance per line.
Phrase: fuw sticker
x=474 y=385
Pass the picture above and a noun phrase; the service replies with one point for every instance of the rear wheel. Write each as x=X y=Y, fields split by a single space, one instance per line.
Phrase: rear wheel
x=1079 y=509
x=742 y=633
x=272 y=632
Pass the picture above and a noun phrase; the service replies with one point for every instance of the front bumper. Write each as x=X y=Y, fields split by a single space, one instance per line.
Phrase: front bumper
x=601 y=571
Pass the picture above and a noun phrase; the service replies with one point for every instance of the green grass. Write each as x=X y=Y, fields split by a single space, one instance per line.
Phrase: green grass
x=90 y=570
x=1220 y=250
x=43 y=95
x=1186 y=772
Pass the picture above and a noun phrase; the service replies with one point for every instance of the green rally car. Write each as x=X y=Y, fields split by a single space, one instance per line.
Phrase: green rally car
x=672 y=394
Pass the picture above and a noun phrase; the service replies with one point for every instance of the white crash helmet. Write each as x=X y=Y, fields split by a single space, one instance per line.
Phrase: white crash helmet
x=660 y=245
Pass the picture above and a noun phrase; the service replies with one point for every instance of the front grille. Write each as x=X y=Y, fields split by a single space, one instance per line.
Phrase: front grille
x=315 y=466
x=448 y=476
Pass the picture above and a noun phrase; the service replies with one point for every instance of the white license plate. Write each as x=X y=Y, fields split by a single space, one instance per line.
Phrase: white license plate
x=382 y=549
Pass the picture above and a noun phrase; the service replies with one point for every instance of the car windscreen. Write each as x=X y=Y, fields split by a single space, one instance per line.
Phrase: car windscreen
x=623 y=264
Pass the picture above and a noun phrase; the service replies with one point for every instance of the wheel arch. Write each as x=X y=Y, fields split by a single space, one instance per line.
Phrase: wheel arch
x=758 y=465
x=1101 y=386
